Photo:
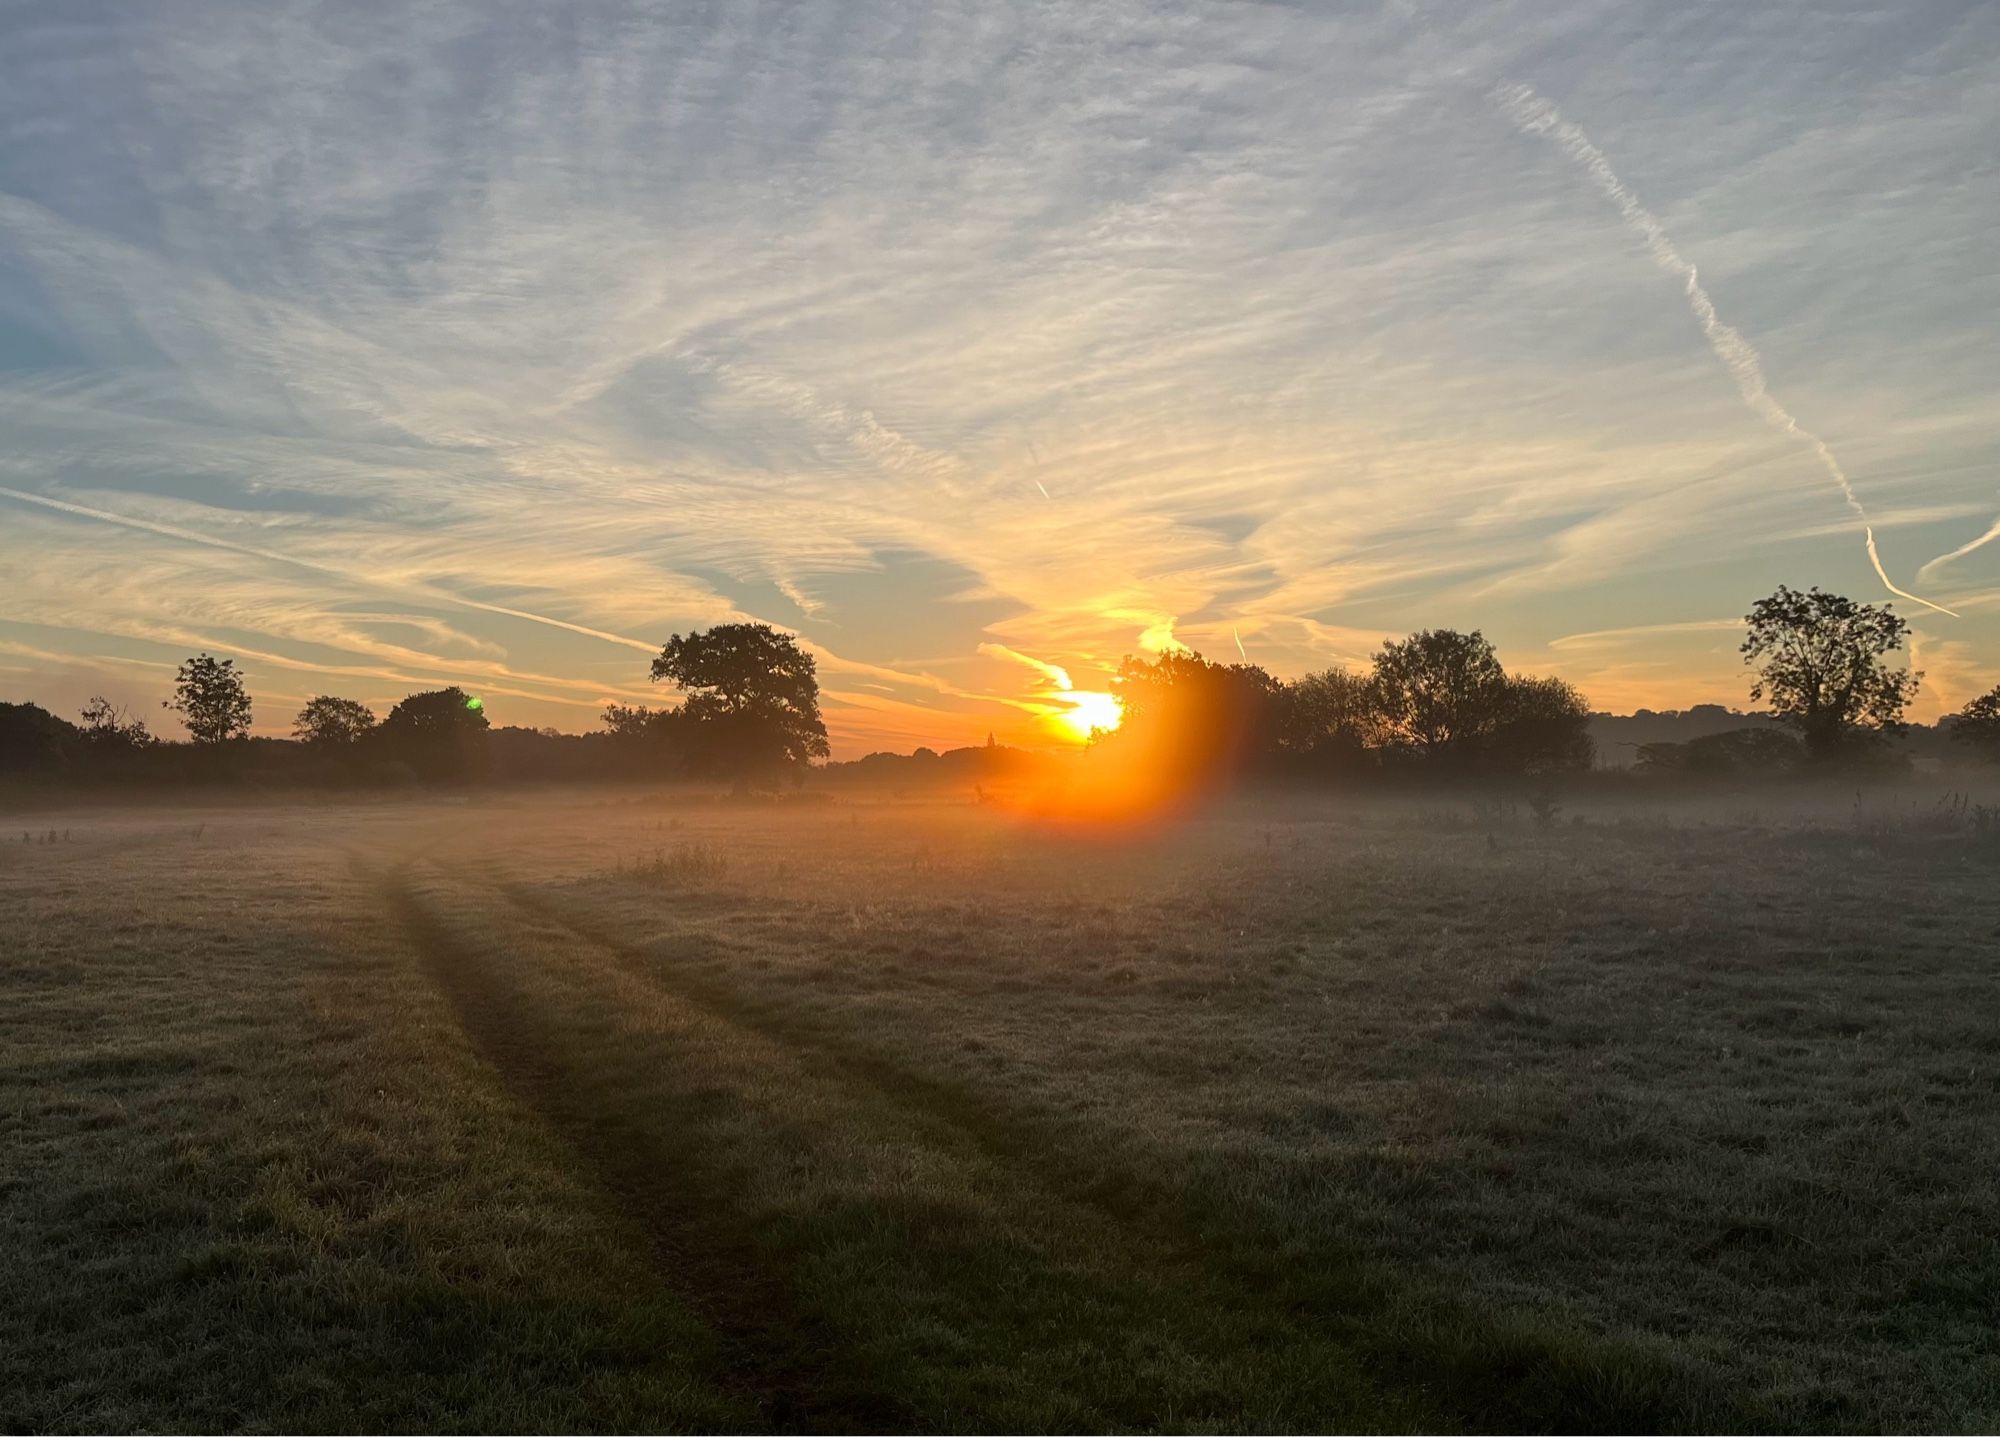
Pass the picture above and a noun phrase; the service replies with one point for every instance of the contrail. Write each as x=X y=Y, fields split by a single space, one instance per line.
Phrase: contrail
x=1239 y=644
x=1038 y=485
x=1537 y=116
x=1961 y=551
x=426 y=591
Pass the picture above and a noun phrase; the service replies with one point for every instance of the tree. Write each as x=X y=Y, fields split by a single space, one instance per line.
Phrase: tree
x=1331 y=715
x=329 y=722
x=108 y=726
x=32 y=739
x=441 y=733
x=1542 y=726
x=211 y=700
x=1440 y=691
x=1737 y=753
x=752 y=706
x=1189 y=720
x=1979 y=725
x=647 y=738
x=636 y=721
x=1820 y=668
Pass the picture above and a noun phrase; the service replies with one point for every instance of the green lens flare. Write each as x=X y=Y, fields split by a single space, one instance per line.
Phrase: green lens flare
x=474 y=702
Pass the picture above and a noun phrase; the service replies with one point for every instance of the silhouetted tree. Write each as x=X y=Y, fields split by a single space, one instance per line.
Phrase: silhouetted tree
x=1660 y=756
x=1186 y=718
x=1542 y=726
x=1978 y=727
x=752 y=707
x=1733 y=754
x=440 y=734
x=1331 y=715
x=1820 y=668
x=647 y=738
x=1439 y=692
x=327 y=722
x=108 y=726
x=33 y=740
x=211 y=700
x=636 y=721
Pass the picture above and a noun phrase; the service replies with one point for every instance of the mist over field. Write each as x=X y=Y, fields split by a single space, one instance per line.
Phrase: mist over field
x=600 y=1109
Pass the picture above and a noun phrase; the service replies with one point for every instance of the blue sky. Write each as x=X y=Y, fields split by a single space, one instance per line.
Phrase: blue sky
x=391 y=346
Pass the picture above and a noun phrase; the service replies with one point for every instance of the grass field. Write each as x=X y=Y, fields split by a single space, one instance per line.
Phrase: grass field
x=603 y=1110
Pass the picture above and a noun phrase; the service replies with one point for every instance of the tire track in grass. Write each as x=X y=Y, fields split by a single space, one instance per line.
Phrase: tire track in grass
x=775 y=1355
x=1462 y=1368
x=1149 y=1295
x=955 y=1112
x=949 y=1111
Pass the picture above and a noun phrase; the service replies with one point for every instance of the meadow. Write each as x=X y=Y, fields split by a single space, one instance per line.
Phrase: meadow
x=612 y=1109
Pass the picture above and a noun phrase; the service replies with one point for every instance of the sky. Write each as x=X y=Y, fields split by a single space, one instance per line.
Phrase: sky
x=384 y=347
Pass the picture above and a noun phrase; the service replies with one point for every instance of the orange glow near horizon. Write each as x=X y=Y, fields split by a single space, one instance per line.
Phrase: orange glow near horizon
x=1114 y=790
x=1087 y=712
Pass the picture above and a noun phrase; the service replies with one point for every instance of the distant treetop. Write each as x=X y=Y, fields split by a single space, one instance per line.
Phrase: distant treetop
x=211 y=700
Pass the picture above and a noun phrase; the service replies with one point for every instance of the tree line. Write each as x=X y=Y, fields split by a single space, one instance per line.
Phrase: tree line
x=1440 y=702
x=1437 y=702
x=749 y=713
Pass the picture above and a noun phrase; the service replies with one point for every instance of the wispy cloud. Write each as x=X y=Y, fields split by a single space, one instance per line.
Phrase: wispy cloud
x=1593 y=638
x=494 y=343
x=1054 y=674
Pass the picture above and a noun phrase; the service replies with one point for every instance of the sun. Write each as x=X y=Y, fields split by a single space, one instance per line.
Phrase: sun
x=1088 y=711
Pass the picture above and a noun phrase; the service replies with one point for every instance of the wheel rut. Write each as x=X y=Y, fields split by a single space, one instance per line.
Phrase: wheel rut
x=1039 y=1163
x=1256 y=1270
x=773 y=1353
x=1332 y=1305
x=943 y=1109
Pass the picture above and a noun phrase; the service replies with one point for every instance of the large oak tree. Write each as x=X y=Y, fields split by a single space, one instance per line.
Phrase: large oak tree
x=1819 y=660
x=441 y=734
x=752 y=706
